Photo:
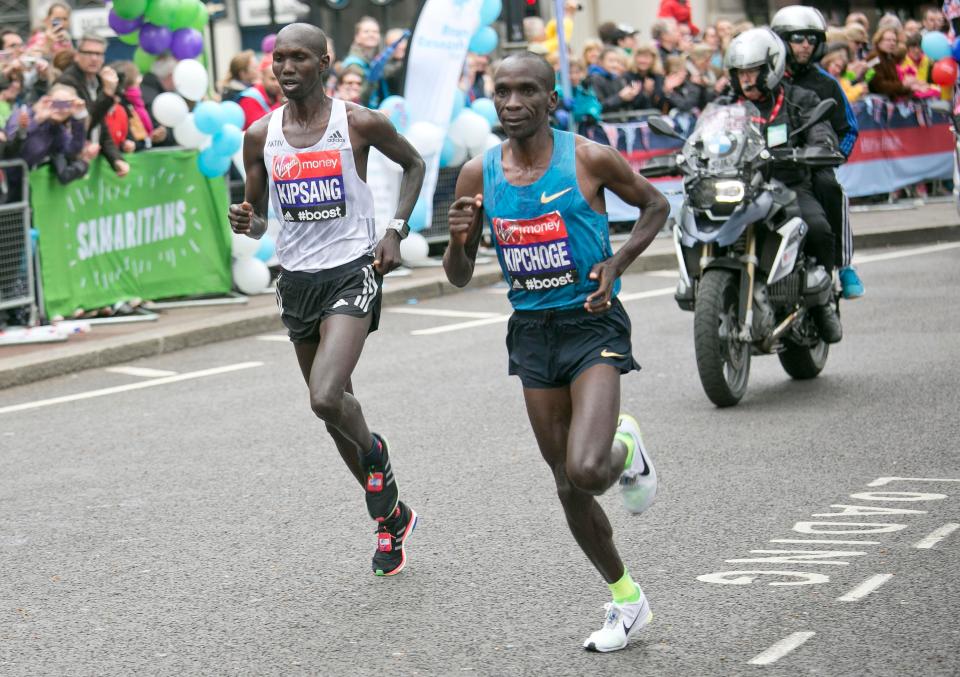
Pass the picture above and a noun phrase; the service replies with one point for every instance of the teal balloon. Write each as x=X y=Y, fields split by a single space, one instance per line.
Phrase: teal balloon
x=459 y=103
x=486 y=108
x=207 y=117
x=448 y=153
x=267 y=249
x=161 y=12
x=418 y=218
x=490 y=11
x=395 y=108
x=483 y=41
x=936 y=45
x=212 y=164
x=232 y=114
x=228 y=140
x=129 y=9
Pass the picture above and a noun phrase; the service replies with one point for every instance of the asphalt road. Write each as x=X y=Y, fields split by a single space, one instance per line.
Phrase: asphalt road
x=194 y=520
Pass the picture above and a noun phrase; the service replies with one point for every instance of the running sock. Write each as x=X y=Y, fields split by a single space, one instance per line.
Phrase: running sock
x=625 y=590
x=373 y=455
x=628 y=442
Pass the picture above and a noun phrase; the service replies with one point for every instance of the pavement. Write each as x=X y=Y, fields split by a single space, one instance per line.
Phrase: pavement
x=187 y=514
x=181 y=328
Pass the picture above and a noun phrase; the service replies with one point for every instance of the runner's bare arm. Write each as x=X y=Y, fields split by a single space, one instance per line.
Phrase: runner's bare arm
x=377 y=130
x=611 y=171
x=466 y=224
x=250 y=217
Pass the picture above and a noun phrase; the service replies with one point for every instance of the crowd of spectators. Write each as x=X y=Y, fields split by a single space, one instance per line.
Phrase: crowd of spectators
x=620 y=75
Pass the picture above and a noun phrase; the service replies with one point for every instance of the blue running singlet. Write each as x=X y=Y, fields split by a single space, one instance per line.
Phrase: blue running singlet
x=547 y=235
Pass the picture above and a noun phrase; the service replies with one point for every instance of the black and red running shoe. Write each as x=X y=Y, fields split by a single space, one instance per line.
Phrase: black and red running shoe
x=390 y=558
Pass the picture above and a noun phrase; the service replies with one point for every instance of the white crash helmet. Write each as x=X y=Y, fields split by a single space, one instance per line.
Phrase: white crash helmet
x=756 y=48
x=801 y=19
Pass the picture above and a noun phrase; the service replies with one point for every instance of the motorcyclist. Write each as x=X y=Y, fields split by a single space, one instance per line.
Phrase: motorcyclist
x=804 y=32
x=755 y=61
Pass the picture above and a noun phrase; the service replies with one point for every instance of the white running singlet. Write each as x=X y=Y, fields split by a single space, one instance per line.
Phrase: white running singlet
x=325 y=209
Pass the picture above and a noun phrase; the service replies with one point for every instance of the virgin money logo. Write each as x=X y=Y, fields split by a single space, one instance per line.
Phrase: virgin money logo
x=287 y=167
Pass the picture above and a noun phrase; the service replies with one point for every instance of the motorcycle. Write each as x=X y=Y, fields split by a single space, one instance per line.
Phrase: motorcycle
x=739 y=244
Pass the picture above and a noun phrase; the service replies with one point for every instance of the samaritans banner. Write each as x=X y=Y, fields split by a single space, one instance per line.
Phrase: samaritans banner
x=161 y=231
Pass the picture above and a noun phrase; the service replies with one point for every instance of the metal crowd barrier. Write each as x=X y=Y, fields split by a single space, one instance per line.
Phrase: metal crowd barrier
x=17 y=289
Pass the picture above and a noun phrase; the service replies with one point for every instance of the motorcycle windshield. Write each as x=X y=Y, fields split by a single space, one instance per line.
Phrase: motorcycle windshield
x=724 y=139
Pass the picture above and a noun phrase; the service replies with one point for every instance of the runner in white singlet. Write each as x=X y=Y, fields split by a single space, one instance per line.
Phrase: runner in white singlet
x=310 y=159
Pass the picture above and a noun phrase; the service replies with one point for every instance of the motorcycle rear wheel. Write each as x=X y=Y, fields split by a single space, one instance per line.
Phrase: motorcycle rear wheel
x=723 y=360
x=803 y=362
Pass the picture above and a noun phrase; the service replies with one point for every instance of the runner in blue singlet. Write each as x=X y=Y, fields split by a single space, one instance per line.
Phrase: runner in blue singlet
x=541 y=192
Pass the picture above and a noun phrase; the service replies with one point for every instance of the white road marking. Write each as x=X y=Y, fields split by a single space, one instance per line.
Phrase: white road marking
x=781 y=648
x=883 y=481
x=140 y=371
x=821 y=540
x=130 y=386
x=440 y=312
x=865 y=588
x=915 y=251
x=937 y=535
x=273 y=337
x=460 y=325
x=646 y=294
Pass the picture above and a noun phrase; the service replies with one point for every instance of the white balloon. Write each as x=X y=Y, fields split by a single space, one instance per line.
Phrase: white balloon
x=187 y=135
x=426 y=137
x=492 y=141
x=460 y=154
x=250 y=275
x=170 y=109
x=414 y=248
x=470 y=129
x=190 y=79
x=244 y=246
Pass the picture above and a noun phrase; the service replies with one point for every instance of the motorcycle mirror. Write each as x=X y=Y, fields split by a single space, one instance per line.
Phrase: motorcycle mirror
x=663 y=127
x=818 y=114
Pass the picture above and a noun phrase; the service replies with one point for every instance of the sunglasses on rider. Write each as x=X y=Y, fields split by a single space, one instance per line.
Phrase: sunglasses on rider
x=797 y=38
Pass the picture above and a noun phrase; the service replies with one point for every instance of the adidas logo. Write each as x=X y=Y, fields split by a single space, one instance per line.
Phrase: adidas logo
x=517 y=285
x=336 y=137
x=339 y=303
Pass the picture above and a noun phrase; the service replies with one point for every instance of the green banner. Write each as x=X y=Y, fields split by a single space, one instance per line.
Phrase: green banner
x=161 y=231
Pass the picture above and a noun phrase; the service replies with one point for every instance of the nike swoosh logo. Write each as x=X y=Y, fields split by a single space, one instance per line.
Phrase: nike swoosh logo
x=544 y=198
x=607 y=353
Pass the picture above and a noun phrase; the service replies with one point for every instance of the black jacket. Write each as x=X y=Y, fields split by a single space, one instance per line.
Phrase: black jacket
x=843 y=121
x=607 y=88
x=794 y=112
x=97 y=109
x=644 y=100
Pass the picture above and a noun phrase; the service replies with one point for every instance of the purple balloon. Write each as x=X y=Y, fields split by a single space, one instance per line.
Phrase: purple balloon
x=122 y=26
x=155 y=39
x=187 y=43
x=268 y=43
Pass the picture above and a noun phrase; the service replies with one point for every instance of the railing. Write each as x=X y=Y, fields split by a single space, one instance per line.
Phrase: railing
x=16 y=251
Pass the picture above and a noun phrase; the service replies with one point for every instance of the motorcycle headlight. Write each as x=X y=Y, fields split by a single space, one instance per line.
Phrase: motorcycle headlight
x=729 y=192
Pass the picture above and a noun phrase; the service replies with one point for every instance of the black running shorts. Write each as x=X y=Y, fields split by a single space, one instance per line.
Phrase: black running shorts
x=306 y=299
x=549 y=349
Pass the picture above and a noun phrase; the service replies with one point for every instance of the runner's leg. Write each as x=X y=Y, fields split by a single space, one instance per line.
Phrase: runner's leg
x=348 y=450
x=554 y=421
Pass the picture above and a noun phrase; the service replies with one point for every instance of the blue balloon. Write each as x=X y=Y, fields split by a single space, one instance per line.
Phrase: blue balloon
x=228 y=140
x=212 y=164
x=485 y=107
x=267 y=249
x=956 y=50
x=231 y=113
x=485 y=40
x=207 y=118
x=448 y=153
x=459 y=103
x=490 y=11
x=936 y=45
x=395 y=108
x=418 y=218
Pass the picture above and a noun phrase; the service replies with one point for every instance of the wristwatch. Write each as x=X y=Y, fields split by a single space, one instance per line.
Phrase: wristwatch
x=399 y=225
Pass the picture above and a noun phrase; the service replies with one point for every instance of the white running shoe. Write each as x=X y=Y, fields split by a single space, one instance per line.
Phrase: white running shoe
x=638 y=483
x=622 y=620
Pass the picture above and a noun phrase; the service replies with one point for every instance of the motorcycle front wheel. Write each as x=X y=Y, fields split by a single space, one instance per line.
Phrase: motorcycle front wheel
x=723 y=360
